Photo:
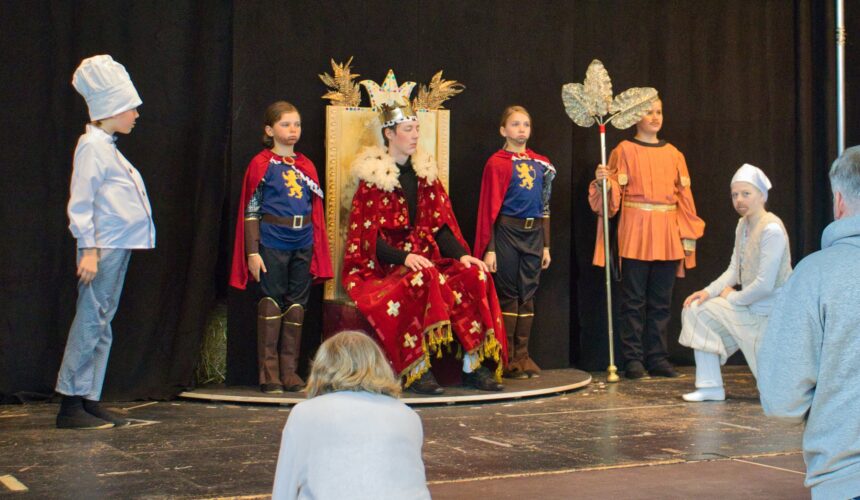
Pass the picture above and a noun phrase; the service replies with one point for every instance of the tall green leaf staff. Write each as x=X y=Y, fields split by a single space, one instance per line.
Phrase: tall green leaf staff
x=590 y=103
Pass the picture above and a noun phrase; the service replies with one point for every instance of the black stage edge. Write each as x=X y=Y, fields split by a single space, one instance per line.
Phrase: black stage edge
x=550 y=382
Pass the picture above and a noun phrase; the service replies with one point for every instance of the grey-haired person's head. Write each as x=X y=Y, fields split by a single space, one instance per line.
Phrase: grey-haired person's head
x=845 y=183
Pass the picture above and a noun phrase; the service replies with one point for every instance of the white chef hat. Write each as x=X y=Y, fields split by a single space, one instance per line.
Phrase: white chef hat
x=106 y=86
x=753 y=175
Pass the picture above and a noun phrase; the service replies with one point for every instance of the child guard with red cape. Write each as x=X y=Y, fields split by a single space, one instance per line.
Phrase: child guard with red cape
x=280 y=242
x=512 y=232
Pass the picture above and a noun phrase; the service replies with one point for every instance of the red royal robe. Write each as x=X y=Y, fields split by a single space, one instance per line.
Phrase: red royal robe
x=494 y=185
x=416 y=313
x=320 y=262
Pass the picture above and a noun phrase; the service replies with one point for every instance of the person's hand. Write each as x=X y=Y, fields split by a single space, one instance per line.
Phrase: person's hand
x=698 y=297
x=545 y=261
x=601 y=173
x=726 y=291
x=88 y=267
x=490 y=261
x=689 y=246
x=468 y=261
x=255 y=265
x=417 y=262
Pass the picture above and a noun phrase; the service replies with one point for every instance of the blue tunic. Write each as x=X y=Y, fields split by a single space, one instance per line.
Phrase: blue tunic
x=282 y=193
x=524 y=196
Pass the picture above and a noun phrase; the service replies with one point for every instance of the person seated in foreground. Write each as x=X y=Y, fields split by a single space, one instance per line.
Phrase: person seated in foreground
x=352 y=437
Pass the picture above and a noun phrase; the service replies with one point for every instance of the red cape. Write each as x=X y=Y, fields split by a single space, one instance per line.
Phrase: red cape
x=320 y=262
x=494 y=186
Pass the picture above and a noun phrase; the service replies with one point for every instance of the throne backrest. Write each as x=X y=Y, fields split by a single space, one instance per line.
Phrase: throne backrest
x=348 y=129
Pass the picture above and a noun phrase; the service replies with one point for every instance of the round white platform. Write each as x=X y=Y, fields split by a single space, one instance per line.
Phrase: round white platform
x=550 y=382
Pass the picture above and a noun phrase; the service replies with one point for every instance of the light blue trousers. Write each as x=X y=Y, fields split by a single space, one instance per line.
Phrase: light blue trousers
x=88 y=346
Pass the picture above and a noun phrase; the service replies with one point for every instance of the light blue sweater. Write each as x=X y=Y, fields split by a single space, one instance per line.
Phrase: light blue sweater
x=354 y=445
x=809 y=358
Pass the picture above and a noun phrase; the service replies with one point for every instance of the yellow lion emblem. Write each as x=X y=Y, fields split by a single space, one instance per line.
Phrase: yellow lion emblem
x=292 y=182
x=526 y=174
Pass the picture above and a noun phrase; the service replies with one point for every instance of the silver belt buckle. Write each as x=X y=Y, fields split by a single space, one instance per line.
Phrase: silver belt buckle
x=298 y=221
x=530 y=223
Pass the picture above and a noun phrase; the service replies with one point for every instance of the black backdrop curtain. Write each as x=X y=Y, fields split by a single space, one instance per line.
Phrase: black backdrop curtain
x=741 y=82
x=178 y=55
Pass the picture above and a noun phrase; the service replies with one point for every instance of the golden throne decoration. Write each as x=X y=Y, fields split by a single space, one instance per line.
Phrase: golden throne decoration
x=350 y=127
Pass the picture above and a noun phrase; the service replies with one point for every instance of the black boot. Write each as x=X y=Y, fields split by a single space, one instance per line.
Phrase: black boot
x=94 y=409
x=663 y=368
x=427 y=385
x=73 y=416
x=634 y=370
x=482 y=380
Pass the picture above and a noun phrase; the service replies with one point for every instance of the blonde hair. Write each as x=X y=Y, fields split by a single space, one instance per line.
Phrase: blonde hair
x=351 y=361
x=511 y=110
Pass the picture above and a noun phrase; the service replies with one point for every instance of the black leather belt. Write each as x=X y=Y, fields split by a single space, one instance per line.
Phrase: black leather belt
x=295 y=222
x=530 y=223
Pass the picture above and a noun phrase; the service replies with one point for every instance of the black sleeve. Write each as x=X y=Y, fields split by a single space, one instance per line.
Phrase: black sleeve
x=388 y=254
x=448 y=244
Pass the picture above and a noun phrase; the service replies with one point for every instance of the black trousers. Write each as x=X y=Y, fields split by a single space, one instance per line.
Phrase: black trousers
x=287 y=279
x=644 y=309
x=518 y=258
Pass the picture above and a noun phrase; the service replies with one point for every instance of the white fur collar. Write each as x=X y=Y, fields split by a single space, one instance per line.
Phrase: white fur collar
x=425 y=166
x=375 y=166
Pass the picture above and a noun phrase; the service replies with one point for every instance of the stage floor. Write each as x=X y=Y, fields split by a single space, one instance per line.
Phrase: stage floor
x=633 y=440
x=550 y=382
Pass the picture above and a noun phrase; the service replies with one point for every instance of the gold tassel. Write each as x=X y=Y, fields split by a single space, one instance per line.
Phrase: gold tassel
x=498 y=374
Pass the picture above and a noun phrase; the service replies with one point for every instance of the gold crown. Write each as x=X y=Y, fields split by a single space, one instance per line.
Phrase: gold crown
x=394 y=113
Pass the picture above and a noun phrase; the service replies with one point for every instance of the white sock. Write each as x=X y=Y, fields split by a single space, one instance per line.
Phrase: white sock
x=469 y=360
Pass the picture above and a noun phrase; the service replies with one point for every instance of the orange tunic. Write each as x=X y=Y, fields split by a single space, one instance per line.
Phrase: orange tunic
x=659 y=220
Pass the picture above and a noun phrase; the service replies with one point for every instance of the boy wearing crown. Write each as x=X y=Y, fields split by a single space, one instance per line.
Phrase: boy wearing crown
x=409 y=269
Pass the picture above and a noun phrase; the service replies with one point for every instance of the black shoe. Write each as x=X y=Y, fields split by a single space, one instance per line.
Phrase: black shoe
x=664 y=369
x=482 y=380
x=292 y=383
x=516 y=375
x=73 y=416
x=272 y=388
x=427 y=385
x=94 y=409
x=634 y=370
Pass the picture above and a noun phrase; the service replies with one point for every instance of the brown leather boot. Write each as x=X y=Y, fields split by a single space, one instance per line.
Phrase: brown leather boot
x=521 y=339
x=509 y=316
x=268 y=323
x=291 y=342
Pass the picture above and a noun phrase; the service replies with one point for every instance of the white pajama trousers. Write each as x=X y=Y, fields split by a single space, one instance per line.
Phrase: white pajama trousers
x=718 y=327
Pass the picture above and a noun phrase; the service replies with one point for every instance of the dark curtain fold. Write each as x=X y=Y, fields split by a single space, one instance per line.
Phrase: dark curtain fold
x=741 y=82
x=178 y=55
